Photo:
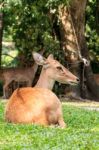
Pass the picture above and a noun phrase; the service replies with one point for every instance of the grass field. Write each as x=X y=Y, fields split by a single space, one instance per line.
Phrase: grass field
x=82 y=132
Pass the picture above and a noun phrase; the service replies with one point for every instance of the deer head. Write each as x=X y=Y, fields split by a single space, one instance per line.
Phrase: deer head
x=54 y=70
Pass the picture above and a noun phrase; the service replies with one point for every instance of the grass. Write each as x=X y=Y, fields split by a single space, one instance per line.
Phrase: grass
x=82 y=132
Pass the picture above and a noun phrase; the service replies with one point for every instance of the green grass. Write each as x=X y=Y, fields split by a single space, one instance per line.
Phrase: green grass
x=82 y=132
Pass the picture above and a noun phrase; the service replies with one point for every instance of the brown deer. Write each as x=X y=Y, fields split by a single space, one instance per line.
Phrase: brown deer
x=96 y=77
x=39 y=105
x=7 y=75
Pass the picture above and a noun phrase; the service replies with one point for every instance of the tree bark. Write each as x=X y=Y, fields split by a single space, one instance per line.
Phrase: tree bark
x=1 y=32
x=70 y=45
x=72 y=26
x=97 y=16
x=78 y=16
x=92 y=88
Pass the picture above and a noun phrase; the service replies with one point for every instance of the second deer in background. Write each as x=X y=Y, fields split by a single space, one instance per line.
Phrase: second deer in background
x=17 y=76
x=7 y=75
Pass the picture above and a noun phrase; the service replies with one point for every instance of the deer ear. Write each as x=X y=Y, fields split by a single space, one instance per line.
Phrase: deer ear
x=39 y=59
x=50 y=56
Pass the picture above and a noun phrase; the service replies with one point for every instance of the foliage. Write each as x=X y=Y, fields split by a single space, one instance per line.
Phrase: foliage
x=30 y=24
x=92 y=29
x=82 y=132
x=9 y=55
x=31 y=28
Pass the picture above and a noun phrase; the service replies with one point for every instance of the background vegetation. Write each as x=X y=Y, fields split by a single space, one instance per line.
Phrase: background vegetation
x=35 y=26
x=92 y=30
x=28 y=24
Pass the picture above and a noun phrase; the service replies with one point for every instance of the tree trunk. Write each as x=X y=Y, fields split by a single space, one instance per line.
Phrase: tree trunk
x=1 y=32
x=70 y=45
x=97 y=16
x=78 y=16
x=92 y=89
x=72 y=26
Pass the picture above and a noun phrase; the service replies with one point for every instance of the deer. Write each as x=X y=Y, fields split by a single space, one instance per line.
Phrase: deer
x=7 y=75
x=39 y=105
x=24 y=75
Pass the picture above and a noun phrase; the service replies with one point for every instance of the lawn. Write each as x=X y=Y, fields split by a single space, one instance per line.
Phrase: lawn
x=82 y=132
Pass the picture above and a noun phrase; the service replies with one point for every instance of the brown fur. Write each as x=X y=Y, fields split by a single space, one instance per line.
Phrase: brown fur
x=34 y=105
x=39 y=105
x=7 y=75
x=96 y=77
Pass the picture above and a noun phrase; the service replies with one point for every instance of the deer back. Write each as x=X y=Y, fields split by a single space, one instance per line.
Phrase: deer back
x=33 y=105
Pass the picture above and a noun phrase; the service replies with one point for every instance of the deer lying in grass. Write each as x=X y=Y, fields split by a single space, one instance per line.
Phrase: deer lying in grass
x=7 y=75
x=39 y=105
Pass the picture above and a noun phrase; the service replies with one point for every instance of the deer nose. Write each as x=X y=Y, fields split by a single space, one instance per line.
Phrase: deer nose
x=78 y=80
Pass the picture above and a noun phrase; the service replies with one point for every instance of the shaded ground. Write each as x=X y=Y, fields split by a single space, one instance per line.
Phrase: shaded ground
x=89 y=105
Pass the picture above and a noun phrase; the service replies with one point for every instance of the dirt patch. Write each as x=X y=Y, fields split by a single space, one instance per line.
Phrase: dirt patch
x=86 y=104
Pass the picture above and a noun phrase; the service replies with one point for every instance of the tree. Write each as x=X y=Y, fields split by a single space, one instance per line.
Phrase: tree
x=73 y=37
x=1 y=28
x=92 y=29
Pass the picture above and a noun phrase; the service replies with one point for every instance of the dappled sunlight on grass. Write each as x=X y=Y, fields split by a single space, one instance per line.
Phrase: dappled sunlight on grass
x=82 y=104
x=95 y=129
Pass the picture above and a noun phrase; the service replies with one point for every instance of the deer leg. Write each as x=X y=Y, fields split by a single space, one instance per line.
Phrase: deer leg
x=41 y=119
x=5 y=89
x=61 y=122
x=4 y=93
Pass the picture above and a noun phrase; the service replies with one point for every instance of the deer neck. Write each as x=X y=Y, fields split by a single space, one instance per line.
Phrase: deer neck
x=34 y=68
x=44 y=81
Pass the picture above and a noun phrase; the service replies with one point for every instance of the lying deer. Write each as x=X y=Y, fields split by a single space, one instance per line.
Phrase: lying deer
x=17 y=74
x=39 y=105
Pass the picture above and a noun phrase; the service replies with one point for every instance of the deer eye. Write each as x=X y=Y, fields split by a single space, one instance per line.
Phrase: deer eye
x=59 y=68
